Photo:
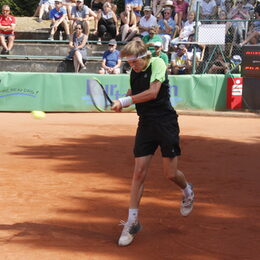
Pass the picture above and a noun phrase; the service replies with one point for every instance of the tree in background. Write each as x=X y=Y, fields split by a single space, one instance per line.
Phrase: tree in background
x=21 y=7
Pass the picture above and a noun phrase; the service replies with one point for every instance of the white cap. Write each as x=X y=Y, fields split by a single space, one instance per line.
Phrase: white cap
x=147 y=8
x=157 y=44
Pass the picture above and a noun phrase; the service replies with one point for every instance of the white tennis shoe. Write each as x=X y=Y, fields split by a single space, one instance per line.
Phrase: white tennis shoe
x=128 y=233
x=187 y=203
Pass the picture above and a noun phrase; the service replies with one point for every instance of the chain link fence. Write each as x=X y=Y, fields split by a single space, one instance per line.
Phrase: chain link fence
x=224 y=57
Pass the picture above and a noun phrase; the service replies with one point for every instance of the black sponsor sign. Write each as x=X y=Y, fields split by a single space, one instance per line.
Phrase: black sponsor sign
x=250 y=61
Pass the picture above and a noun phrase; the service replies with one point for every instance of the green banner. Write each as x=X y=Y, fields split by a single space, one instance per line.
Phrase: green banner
x=68 y=92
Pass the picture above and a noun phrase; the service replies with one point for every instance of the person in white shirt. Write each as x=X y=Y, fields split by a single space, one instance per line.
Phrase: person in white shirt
x=147 y=21
x=208 y=9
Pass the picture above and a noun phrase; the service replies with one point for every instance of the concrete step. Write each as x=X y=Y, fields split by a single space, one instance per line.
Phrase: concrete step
x=45 y=66
x=54 y=49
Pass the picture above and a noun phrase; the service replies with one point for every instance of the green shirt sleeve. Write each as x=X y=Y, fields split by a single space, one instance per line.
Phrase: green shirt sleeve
x=158 y=69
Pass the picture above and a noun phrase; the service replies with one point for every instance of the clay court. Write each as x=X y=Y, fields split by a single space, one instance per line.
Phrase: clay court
x=65 y=183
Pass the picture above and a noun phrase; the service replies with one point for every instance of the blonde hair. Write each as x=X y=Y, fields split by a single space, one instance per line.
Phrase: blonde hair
x=135 y=49
x=107 y=4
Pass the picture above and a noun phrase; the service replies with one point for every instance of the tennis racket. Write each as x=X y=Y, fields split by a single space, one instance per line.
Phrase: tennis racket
x=99 y=96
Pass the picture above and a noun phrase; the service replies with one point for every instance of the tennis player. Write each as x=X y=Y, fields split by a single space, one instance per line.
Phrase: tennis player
x=158 y=126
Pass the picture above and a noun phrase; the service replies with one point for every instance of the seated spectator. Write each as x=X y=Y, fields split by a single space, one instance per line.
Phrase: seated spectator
x=137 y=6
x=107 y=22
x=219 y=65
x=68 y=4
x=228 y=5
x=113 y=5
x=250 y=8
x=58 y=16
x=44 y=7
x=253 y=35
x=111 y=60
x=159 y=53
x=7 y=26
x=187 y=29
x=238 y=13
x=78 y=50
x=166 y=28
x=181 y=9
x=191 y=47
x=128 y=27
x=159 y=5
x=152 y=38
x=80 y=15
x=147 y=21
x=235 y=64
x=96 y=5
x=179 y=61
x=208 y=10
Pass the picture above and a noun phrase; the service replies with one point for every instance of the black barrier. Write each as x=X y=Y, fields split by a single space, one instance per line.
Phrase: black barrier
x=250 y=61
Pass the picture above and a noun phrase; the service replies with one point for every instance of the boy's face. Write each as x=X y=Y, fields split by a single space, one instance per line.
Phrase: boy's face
x=138 y=64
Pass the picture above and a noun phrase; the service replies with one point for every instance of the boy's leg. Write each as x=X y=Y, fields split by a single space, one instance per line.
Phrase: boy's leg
x=172 y=173
x=132 y=226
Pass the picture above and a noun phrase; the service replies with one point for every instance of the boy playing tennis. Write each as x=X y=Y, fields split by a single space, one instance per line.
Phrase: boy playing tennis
x=158 y=126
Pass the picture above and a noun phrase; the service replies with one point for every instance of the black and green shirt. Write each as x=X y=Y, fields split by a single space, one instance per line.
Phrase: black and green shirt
x=140 y=81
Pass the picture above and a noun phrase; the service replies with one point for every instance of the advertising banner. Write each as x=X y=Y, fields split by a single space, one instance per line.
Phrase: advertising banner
x=69 y=92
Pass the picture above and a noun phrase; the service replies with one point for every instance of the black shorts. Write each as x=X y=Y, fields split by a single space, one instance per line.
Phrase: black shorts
x=163 y=132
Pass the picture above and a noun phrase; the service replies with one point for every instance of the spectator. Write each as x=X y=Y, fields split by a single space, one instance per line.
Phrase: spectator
x=136 y=7
x=58 y=16
x=249 y=7
x=159 y=53
x=147 y=21
x=113 y=5
x=238 y=13
x=78 y=50
x=253 y=35
x=80 y=15
x=166 y=28
x=228 y=5
x=194 y=46
x=7 y=26
x=187 y=29
x=111 y=61
x=107 y=22
x=159 y=5
x=44 y=7
x=219 y=66
x=96 y=5
x=69 y=4
x=151 y=38
x=128 y=23
x=235 y=64
x=208 y=9
x=179 y=61
x=181 y=9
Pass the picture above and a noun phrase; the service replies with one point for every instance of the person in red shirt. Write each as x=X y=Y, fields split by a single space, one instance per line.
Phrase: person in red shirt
x=7 y=25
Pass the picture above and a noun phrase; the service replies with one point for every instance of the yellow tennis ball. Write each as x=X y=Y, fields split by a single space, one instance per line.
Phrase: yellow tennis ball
x=38 y=114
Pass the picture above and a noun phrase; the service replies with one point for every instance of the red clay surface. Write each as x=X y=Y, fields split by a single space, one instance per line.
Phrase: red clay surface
x=65 y=184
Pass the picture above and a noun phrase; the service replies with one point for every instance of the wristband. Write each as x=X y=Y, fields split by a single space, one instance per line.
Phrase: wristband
x=125 y=101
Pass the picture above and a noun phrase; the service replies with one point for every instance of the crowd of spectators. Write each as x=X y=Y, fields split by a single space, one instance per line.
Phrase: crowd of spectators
x=163 y=25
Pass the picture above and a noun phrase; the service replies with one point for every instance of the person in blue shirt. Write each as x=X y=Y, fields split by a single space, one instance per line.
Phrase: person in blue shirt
x=137 y=6
x=58 y=16
x=111 y=60
x=166 y=28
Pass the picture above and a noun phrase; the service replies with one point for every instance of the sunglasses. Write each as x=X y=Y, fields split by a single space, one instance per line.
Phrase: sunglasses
x=5 y=10
x=167 y=13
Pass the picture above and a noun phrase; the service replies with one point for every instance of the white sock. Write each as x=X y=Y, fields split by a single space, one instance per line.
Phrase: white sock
x=187 y=191
x=132 y=215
